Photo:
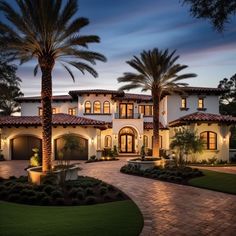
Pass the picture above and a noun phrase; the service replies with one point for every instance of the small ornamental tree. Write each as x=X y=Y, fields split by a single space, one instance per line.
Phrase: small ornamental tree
x=186 y=142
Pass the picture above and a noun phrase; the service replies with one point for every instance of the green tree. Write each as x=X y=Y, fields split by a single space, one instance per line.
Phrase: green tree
x=9 y=87
x=48 y=31
x=186 y=142
x=219 y=12
x=158 y=73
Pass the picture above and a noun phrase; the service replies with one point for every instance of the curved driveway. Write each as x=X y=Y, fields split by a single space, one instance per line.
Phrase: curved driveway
x=171 y=209
x=168 y=209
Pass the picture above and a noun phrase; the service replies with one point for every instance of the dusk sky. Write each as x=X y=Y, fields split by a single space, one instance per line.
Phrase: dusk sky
x=128 y=27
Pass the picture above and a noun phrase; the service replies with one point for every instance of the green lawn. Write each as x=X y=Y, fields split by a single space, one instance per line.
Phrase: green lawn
x=116 y=218
x=222 y=182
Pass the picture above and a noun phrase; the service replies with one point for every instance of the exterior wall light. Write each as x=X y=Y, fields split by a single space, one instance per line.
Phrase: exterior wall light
x=92 y=140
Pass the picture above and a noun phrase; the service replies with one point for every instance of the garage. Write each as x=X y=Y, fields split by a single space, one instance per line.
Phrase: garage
x=79 y=153
x=21 y=147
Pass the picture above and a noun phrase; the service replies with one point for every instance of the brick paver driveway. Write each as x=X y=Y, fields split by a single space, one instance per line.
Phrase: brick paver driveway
x=168 y=209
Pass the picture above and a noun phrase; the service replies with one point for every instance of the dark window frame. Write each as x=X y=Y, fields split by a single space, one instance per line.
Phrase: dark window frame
x=208 y=139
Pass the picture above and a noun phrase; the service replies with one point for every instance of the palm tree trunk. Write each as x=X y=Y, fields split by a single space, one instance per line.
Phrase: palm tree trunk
x=46 y=66
x=156 y=101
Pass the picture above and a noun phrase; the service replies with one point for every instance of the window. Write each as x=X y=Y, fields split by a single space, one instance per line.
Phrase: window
x=54 y=111
x=96 y=107
x=145 y=141
x=72 y=111
x=87 y=107
x=183 y=103
x=200 y=103
x=210 y=139
x=107 y=141
x=40 y=111
x=106 y=107
x=146 y=110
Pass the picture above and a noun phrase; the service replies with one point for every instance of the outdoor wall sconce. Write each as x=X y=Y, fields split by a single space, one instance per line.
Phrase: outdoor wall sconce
x=92 y=140
x=4 y=140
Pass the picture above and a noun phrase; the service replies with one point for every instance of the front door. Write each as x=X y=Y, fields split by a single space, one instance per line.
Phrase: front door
x=127 y=143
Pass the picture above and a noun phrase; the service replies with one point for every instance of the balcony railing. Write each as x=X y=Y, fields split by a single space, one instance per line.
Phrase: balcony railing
x=133 y=116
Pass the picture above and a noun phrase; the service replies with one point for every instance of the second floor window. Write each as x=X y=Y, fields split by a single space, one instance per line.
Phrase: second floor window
x=96 y=107
x=72 y=111
x=210 y=140
x=87 y=107
x=146 y=110
x=106 y=107
x=40 y=111
x=200 y=103
x=183 y=103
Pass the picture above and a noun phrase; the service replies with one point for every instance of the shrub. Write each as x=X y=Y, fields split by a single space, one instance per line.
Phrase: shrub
x=48 y=189
x=41 y=195
x=107 y=197
x=60 y=201
x=93 y=157
x=46 y=200
x=49 y=179
x=89 y=191
x=73 y=192
x=111 y=188
x=13 y=197
x=90 y=200
x=119 y=195
x=103 y=190
x=56 y=194
x=80 y=195
x=74 y=201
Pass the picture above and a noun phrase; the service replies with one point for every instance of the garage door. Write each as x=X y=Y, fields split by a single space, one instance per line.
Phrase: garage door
x=80 y=153
x=21 y=147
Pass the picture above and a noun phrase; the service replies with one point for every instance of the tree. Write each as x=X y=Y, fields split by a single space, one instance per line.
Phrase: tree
x=48 y=31
x=186 y=142
x=9 y=87
x=218 y=12
x=157 y=72
x=228 y=99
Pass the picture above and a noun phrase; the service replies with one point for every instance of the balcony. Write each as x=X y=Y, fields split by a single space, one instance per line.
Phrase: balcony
x=132 y=116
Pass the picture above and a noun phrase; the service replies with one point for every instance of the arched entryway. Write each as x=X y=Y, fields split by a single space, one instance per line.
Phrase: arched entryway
x=22 y=145
x=79 y=153
x=127 y=140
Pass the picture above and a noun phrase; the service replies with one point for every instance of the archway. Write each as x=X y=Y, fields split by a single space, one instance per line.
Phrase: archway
x=127 y=140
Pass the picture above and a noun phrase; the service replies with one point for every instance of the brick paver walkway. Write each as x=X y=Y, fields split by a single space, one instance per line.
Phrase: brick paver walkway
x=168 y=209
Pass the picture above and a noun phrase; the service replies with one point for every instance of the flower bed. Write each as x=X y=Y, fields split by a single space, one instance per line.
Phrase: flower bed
x=83 y=191
x=171 y=174
x=102 y=159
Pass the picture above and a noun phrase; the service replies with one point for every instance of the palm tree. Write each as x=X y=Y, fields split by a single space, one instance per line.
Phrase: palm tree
x=157 y=72
x=48 y=31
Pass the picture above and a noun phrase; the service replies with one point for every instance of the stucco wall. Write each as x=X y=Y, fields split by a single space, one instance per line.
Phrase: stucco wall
x=222 y=152
x=211 y=103
x=87 y=133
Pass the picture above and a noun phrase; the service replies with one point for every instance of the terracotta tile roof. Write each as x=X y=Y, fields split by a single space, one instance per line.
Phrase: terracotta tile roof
x=74 y=93
x=132 y=96
x=57 y=119
x=149 y=125
x=203 y=117
x=38 y=98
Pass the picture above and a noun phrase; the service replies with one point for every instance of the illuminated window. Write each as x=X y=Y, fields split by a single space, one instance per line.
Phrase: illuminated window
x=106 y=107
x=107 y=141
x=87 y=107
x=72 y=111
x=210 y=140
x=96 y=107
x=54 y=111
x=145 y=140
x=40 y=111
x=146 y=110
x=183 y=103
x=200 y=103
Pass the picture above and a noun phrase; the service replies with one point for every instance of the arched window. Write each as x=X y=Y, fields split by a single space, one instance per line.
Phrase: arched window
x=96 y=107
x=106 y=107
x=87 y=108
x=210 y=139
x=145 y=141
x=107 y=141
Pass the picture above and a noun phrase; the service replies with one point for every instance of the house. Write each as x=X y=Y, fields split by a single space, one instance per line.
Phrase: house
x=104 y=118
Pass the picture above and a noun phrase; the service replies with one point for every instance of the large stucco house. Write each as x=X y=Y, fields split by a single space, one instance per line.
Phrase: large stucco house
x=104 y=118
